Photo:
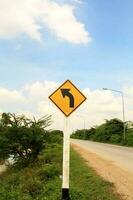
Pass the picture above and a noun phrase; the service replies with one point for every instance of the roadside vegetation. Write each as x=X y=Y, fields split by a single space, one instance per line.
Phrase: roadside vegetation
x=22 y=139
x=37 y=168
x=109 y=132
x=40 y=180
x=85 y=184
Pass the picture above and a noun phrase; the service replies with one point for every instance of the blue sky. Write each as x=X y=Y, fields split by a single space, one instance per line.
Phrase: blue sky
x=106 y=61
x=45 y=42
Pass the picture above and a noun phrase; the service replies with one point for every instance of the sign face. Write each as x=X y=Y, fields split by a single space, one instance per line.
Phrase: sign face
x=67 y=98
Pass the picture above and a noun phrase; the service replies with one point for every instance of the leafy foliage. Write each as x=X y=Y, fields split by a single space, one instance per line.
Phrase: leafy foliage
x=38 y=180
x=110 y=132
x=22 y=138
x=41 y=180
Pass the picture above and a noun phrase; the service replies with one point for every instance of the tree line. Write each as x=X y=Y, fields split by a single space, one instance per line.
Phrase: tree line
x=24 y=139
x=111 y=131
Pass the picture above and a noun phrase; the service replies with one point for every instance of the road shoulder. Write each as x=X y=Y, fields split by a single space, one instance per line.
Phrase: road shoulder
x=122 y=180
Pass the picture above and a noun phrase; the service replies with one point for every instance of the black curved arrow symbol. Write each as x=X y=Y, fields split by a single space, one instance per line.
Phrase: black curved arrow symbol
x=65 y=92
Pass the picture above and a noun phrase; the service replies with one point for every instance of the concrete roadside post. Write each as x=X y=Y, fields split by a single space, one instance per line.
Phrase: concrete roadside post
x=66 y=160
x=67 y=98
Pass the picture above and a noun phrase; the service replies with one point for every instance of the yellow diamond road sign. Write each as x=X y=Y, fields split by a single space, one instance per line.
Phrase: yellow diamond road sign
x=67 y=98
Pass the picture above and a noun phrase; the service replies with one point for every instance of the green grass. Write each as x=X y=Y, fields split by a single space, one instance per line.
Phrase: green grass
x=85 y=184
x=41 y=180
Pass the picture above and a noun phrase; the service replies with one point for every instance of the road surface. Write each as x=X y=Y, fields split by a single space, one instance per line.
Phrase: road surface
x=113 y=163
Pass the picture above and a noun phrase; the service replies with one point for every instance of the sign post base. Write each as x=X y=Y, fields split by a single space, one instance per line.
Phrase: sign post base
x=65 y=194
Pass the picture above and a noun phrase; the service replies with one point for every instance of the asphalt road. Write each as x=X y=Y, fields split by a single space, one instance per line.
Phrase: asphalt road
x=120 y=156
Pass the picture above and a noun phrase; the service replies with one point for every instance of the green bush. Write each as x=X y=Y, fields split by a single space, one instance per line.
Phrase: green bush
x=22 y=138
x=55 y=136
x=116 y=139
x=49 y=172
x=53 y=154
x=38 y=181
x=33 y=187
x=102 y=134
x=129 y=138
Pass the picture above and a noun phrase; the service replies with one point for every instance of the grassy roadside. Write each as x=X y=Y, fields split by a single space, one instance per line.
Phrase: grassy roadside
x=41 y=180
x=86 y=184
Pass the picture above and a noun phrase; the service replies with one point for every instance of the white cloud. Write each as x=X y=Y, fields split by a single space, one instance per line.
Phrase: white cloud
x=78 y=1
x=7 y=96
x=30 y=16
x=33 y=99
x=63 y=22
x=11 y=100
x=40 y=89
x=18 y=17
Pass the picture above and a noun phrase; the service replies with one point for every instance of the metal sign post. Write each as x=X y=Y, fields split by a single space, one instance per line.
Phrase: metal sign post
x=66 y=160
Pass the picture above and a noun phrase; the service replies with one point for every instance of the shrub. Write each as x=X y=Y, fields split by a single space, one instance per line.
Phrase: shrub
x=129 y=138
x=111 y=132
x=22 y=138
x=49 y=172
x=55 y=136
x=115 y=139
x=33 y=187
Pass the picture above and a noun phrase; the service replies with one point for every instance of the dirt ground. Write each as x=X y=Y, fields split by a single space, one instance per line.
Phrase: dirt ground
x=122 y=180
x=2 y=168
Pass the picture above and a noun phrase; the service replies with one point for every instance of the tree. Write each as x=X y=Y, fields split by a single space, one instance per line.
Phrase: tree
x=110 y=131
x=21 y=137
x=84 y=134
x=55 y=136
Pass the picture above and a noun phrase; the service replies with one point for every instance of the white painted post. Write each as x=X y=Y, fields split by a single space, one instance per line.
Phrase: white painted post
x=66 y=160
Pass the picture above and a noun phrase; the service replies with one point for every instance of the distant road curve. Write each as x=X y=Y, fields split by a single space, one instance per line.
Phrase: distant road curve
x=121 y=156
x=112 y=162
